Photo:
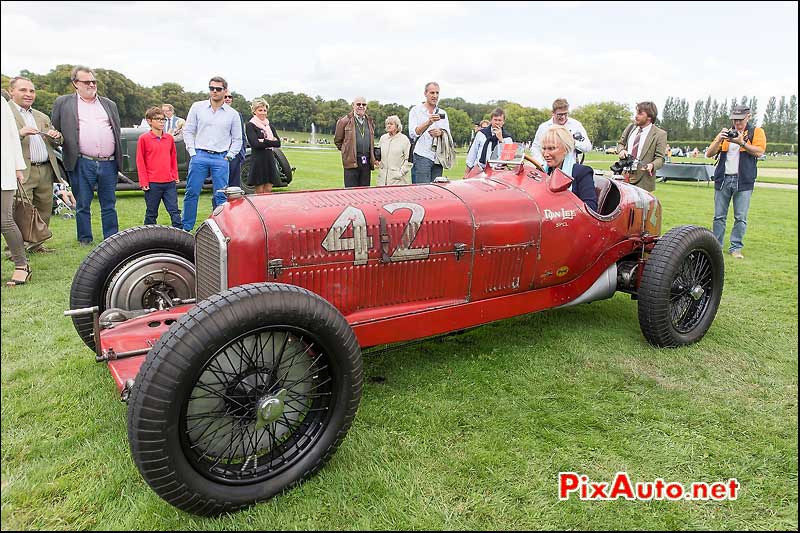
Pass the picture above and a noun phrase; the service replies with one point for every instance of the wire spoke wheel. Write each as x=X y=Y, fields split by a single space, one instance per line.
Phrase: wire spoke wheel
x=691 y=291
x=247 y=394
x=681 y=287
x=258 y=405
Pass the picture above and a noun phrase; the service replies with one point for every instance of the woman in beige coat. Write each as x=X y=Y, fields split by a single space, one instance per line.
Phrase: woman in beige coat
x=394 y=145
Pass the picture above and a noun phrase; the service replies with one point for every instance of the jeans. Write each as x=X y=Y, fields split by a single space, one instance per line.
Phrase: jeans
x=201 y=164
x=152 y=198
x=87 y=176
x=741 y=204
x=426 y=170
x=235 y=173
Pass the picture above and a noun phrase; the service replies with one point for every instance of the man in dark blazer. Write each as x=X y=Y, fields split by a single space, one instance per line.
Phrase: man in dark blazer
x=92 y=151
x=38 y=139
x=647 y=143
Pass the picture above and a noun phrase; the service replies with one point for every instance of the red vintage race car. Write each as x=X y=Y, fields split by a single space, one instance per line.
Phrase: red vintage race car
x=238 y=349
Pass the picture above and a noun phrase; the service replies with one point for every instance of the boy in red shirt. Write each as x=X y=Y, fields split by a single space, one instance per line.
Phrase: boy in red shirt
x=157 y=165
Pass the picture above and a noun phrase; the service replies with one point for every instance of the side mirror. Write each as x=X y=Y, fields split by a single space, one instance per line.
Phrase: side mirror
x=559 y=181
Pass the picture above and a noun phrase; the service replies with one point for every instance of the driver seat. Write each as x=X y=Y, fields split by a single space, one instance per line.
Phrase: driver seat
x=607 y=195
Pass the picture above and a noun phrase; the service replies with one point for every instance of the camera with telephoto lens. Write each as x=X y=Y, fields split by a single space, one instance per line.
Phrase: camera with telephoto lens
x=578 y=136
x=731 y=133
x=626 y=164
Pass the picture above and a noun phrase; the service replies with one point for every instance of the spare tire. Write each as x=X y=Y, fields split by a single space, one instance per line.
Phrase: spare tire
x=140 y=268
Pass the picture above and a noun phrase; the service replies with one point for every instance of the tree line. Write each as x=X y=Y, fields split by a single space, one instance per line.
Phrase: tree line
x=604 y=121
x=709 y=116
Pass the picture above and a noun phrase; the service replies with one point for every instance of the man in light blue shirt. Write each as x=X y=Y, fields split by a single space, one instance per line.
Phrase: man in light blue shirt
x=213 y=137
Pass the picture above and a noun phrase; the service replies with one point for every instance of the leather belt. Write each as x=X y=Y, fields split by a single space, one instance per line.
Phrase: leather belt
x=39 y=164
x=91 y=158
x=209 y=151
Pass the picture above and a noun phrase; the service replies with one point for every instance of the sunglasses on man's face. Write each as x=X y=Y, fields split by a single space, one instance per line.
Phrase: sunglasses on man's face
x=215 y=89
x=359 y=104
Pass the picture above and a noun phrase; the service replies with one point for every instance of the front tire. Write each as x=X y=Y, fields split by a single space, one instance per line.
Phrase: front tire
x=249 y=393
x=681 y=287
x=139 y=268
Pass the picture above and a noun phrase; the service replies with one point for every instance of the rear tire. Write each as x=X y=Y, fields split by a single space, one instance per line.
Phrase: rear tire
x=138 y=268
x=249 y=393
x=284 y=168
x=681 y=287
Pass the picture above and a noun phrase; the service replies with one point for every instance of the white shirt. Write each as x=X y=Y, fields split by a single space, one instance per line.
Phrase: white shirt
x=12 y=159
x=732 y=159
x=474 y=154
x=36 y=143
x=418 y=115
x=642 y=138
x=572 y=125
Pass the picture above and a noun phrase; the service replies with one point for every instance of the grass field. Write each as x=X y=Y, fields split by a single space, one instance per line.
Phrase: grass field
x=464 y=432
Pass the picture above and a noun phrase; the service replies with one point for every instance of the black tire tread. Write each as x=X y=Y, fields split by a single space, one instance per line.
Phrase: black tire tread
x=169 y=360
x=654 y=291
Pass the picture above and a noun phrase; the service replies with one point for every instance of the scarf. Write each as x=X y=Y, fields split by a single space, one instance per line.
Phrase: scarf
x=264 y=126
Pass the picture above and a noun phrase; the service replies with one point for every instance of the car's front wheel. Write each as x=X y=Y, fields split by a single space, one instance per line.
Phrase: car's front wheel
x=681 y=287
x=249 y=393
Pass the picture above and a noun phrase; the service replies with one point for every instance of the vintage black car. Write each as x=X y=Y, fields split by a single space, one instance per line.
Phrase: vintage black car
x=129 y=177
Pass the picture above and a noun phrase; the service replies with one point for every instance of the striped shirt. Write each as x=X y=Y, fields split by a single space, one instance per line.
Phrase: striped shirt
x=38 y=148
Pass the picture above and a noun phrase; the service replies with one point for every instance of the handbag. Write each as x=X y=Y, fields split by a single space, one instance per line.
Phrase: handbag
x=28 y=219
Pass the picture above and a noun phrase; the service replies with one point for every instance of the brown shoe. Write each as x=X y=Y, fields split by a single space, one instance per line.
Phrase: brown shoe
x=41 y=249
x=736 y=254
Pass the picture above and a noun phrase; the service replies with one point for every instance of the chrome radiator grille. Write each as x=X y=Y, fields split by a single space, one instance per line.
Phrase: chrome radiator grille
x=211 y=260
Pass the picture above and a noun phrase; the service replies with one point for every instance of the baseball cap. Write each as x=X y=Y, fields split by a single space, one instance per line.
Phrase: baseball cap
x=740 y=111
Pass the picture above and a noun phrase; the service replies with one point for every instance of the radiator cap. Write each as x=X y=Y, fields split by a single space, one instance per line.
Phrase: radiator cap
x=232 y=192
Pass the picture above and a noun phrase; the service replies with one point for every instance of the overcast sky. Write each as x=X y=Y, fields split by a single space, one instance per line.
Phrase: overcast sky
x=530 y=53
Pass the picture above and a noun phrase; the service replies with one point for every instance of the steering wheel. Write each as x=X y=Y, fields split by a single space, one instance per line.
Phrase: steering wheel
x=535 y=162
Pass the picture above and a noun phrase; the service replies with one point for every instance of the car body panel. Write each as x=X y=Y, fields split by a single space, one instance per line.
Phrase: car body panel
x=413 y=261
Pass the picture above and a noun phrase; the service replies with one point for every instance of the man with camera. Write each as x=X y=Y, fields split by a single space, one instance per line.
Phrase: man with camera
x=486 y=139
x=738 y=149
x=646 y=143
x=561 y=118
x=355 y=138
x=426 y=122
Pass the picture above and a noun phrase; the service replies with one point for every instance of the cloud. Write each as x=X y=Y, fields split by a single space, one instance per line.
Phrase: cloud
x=528 y=53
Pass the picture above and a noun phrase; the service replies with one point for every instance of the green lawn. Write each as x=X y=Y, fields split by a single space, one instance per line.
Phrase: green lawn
x=464 y=432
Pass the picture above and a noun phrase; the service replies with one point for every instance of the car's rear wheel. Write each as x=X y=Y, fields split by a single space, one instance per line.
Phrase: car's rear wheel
x=140 y=268
x=249 y=393
x=681 y=287
x=284 y=169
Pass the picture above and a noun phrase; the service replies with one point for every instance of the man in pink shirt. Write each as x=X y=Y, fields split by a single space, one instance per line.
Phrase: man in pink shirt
x=92 y=151
x=157 y=165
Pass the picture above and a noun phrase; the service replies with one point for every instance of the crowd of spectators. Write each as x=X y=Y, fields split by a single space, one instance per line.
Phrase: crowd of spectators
x=86 y=128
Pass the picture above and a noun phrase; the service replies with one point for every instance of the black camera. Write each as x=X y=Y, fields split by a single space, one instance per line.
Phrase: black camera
x=731 y=133
x=578 y=136
x=441 y=114
x=623 y=164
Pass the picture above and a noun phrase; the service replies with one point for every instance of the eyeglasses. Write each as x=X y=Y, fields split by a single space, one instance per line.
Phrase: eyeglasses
x=216 y=89
x=359 y=104
x=228 y=97
x=87 y=82
x=562 y=115
x=159 y=119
